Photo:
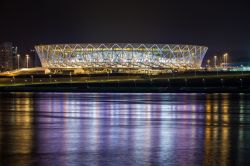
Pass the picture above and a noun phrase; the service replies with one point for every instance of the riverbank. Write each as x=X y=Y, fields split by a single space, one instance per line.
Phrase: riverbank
x=127 y=89
x=206 y=82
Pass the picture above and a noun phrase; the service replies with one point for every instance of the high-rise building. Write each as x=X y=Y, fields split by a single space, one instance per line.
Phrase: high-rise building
x=7 y=54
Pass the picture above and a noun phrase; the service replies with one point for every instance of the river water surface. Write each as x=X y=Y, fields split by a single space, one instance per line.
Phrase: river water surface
x=67 y=129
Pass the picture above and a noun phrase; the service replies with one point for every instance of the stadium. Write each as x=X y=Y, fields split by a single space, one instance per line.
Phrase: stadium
x=121 y=57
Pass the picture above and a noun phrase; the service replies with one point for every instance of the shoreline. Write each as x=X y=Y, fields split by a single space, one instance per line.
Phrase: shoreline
x=127 y=89
x=118 y=83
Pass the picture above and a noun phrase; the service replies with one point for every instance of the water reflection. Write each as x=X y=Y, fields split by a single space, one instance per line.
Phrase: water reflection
x=16 y=128
x=217 y=130
x=124 y=129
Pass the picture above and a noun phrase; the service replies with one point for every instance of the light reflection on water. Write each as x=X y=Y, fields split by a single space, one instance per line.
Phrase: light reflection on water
x=124 y=129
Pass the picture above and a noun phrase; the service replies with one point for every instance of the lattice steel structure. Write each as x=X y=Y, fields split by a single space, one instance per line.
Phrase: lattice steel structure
x=121 y=56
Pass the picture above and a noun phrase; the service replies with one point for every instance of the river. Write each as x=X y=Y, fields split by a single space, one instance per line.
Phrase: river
x=65 y=129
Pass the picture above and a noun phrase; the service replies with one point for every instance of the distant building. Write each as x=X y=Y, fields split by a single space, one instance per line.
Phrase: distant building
x=7 y=55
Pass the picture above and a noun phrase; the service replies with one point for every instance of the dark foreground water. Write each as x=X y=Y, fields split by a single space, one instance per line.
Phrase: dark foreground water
x=124 y=129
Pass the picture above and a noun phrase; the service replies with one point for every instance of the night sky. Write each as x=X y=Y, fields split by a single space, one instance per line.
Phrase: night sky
x=223 y=26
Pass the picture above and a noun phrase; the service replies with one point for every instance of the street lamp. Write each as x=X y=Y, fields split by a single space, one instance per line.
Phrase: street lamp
x=215 y=59
x=225 y=58
x=242 y=68
x=32 y=79
x=70 y=76
x=14 y=80
x=50 y=78
x=27 y=58
x=208 y=63
x=241 y=82
x=204 y=82
x=18 y=63
x=134 y=82
x=222 y=82
x=108 y=74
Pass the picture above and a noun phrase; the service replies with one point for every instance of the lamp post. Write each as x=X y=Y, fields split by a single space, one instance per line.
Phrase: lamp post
x=242 y=67
x=225 y=59
x=134 y=83
x=108 y=74
x=215 y=59
x=204 y=82
x=186 y=82
x=18 y=62
x=14 y=80
x=215 y=65
x=222 y=82
x=208 y=63
x=32 y=79
x=27 y=59
x=50 y=78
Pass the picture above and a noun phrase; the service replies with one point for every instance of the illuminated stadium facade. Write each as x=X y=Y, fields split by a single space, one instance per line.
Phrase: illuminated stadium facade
x=121 y=57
